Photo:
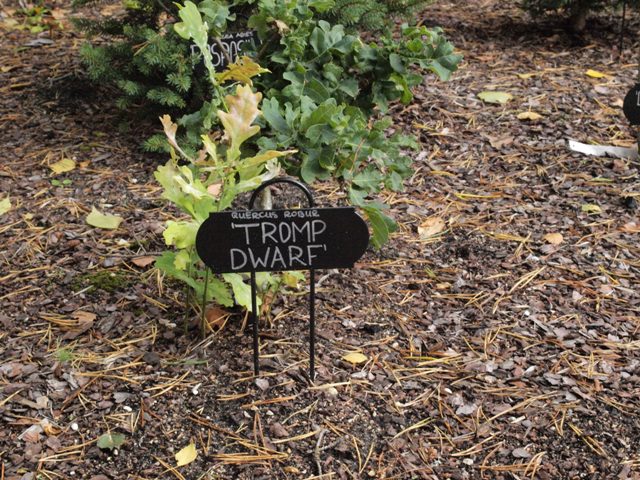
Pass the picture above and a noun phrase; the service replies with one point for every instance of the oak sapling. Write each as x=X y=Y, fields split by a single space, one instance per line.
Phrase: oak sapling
x=210 y=182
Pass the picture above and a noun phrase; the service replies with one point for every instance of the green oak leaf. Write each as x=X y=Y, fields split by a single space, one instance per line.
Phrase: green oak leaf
x=216 y=289
x=241 y=291
x=181 y=234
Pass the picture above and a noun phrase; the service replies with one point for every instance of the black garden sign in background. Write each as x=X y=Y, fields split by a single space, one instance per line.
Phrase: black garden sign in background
x=631 y=105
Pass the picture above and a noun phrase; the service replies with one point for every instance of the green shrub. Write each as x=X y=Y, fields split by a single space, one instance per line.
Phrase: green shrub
x=323 y=92
x=373 y=15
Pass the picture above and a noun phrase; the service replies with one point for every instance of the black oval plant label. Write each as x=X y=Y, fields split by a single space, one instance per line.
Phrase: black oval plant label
x=631 y=105
x=279 y=240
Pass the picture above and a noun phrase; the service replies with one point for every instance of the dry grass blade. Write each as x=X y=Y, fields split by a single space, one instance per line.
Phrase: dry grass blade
x=534 y=464
x=296 y=438
x=591 y=442
x=520 y=405
x=268 y=401
x=324 y=476
x=8 y=399
x=415 y=426
x=526 y=279
x=169 y=468
x=474 y=449
x=167 y=387
x=247 y=458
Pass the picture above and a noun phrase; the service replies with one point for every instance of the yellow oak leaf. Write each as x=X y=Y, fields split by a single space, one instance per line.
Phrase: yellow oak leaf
x=591 y=208
x=495 y=97
x=187 y=455
x=282 y=27
x=532 y=116
x=264 y=157
x=5 y=205
x=103 y=220
x=355 y=358
x=64 y=165
x=430 y=227
x=242 y=70
x=595 y=74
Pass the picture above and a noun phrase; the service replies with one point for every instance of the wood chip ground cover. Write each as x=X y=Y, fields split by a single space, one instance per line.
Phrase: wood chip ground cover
x=491 y=351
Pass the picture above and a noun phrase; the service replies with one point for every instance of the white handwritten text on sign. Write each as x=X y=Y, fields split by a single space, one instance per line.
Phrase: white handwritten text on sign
x=232 y=44
x=277 y=240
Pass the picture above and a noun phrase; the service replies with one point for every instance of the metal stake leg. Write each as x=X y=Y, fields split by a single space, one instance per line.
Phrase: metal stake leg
x=203 y=314
x=312 y=324
x=624 y=15
x=254 y=316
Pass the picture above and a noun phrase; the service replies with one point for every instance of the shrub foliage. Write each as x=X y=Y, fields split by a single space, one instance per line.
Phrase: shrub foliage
x=323 y=86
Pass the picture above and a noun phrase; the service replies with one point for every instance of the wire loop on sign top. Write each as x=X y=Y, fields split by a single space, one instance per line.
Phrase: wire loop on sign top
x=291 y=181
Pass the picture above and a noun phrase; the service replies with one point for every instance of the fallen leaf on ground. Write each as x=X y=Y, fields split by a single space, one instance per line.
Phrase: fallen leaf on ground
x=591 y=208
x=110 y=441
x=520 y=453
x=216 y=318
x=606 y=289
x=49 y=428
x=187 y=455
x=31 y=434
x=279 y=431
x=355 y=358
x=554 y=238
x=262 y=383
x=5 y=206
x=143 y=261
x=64 y=165
x=292 y=279
x=83 y=316
x=430 y=227
x=59 y=13
x=495 y=97
x=499 y=142
x=467 y=409
x=103 y=220
x=532 y=116
x=595 y=74
x=631 y=227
